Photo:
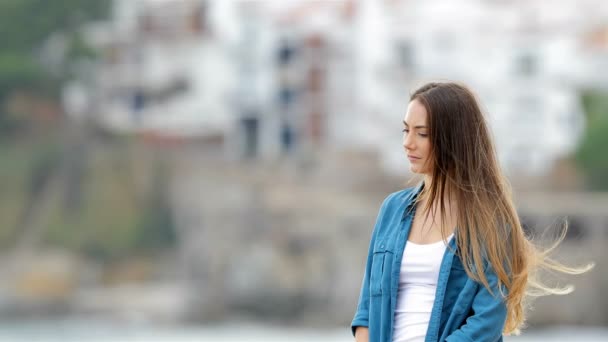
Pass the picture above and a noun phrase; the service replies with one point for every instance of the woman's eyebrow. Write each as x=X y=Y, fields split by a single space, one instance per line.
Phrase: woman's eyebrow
x=419 y=126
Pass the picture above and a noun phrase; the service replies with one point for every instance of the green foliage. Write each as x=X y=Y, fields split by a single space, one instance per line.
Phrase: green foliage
x=113 y=223
x=25 y=24
x=18 y=71
x=78 y=48
x=21 y=163
x=24 y=27
x=156 y=230
x=591 y=155
x=112 y=219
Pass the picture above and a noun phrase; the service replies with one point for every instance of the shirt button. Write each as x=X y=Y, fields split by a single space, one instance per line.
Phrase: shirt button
x=381 y=246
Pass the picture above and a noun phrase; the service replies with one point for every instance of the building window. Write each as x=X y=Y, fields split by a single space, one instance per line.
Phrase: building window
x=526 y=65
x=405 y=55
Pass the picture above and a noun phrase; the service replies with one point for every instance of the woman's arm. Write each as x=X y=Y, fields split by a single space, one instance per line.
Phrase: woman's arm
x=361 y=318
x=489 y=314
x=361 y=334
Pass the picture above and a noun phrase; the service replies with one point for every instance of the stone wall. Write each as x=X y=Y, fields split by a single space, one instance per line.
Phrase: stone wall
x=287 y=240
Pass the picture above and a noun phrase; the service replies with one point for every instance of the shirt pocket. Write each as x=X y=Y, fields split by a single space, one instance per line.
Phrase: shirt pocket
x=378 y=269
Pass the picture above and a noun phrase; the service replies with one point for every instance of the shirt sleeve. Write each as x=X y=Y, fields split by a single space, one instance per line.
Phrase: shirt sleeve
x=361 y=318
x=489 y=314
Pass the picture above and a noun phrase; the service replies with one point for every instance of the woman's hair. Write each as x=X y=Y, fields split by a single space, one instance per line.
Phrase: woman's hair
x=465 y=170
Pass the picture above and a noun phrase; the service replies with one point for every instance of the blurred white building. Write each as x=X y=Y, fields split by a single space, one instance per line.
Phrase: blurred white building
x=523 y=58
x=165 y=69
x=276 y=77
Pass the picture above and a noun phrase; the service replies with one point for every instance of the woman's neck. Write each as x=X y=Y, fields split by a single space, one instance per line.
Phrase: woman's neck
x=448 y=201
x=428 y=180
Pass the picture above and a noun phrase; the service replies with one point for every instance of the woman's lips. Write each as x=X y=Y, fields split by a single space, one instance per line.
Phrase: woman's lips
x=412 y=158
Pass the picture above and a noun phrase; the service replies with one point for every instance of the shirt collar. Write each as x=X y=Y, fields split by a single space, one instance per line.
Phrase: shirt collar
x=410 y=199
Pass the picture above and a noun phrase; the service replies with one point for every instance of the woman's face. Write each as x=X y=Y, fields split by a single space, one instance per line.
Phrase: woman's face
x=416 y=140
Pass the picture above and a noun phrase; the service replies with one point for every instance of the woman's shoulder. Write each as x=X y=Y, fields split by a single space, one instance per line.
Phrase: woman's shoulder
x=403 y=195
x=392 y=210
x=400 y=197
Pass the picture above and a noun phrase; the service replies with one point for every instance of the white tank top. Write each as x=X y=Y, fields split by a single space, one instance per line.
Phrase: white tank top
x=417 y=284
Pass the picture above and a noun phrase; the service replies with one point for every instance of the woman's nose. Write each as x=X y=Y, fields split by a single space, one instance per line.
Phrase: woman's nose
x=407 y=142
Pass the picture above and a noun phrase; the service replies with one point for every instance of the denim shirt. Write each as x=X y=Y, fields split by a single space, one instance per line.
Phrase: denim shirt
x=464 y=310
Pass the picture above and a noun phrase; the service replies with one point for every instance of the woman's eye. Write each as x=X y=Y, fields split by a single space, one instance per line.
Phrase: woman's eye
x=405 y=130
x=424 y=135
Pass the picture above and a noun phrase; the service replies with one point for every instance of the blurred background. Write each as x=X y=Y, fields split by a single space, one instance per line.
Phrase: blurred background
x=191 y=170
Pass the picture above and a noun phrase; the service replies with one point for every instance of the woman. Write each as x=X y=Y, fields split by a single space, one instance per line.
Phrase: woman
x=448 y=259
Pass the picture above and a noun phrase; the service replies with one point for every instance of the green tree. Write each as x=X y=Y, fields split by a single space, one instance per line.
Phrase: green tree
x=24 y=27
x=591 y=155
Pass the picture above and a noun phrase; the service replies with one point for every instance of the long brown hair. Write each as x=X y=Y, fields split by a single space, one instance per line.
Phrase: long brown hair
x=466 y=171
